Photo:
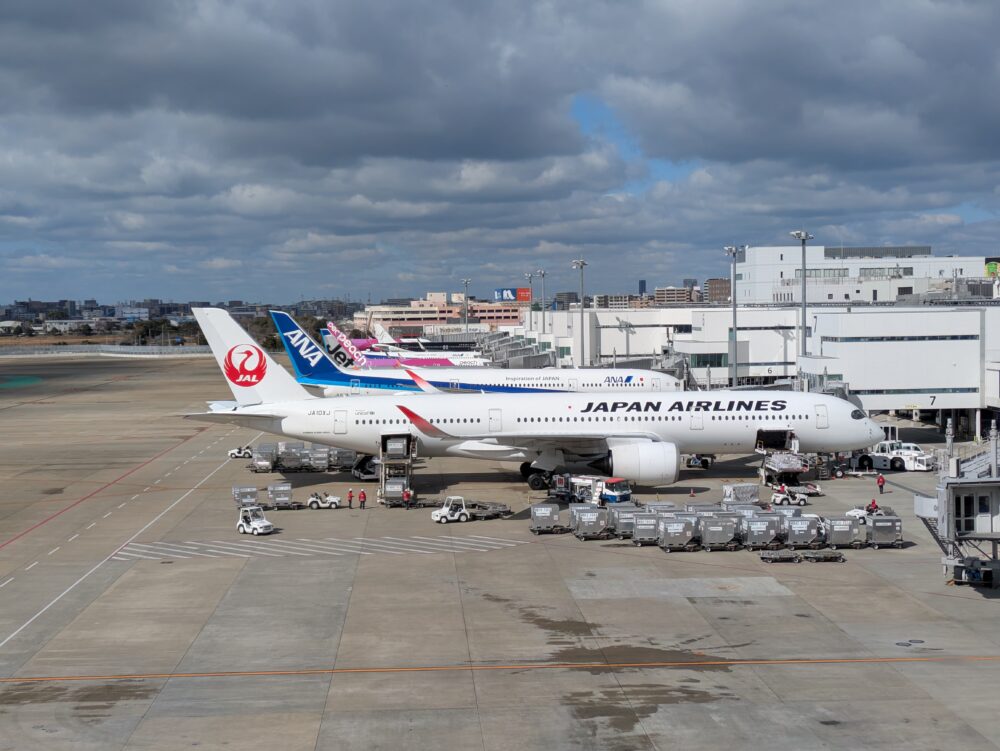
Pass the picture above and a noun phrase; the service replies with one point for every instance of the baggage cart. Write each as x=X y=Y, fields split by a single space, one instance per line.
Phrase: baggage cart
x=245 y=496
x=342 y=459
x=789 y=512
x=645 y=528
x=762 y=533
x=677 y=534
x=720 y=533
x=824 y=556
x=802 y=532
x=885 y=530
x=744 y=510
x=621 y=519
x=574 y=511
x=279 y=496
x=592 y=524
x=780 y=556
x=844 y=531
x=740 y=493
x=545 y=519
x=659 y=507
x=703 y=509
x=263 y=458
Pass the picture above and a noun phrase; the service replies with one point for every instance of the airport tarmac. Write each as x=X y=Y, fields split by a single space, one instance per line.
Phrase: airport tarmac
x=133 y=616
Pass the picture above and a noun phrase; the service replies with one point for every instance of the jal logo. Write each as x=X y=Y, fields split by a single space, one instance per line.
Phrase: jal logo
x=244 y=365
x=304 y=347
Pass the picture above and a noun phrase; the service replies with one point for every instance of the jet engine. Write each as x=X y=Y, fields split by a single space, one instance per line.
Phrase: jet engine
x=644 y=463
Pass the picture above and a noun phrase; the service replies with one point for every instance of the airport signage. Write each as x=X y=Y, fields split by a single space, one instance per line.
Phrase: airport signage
x=512 y=294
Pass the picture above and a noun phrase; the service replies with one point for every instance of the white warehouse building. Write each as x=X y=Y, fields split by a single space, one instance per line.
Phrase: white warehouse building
x=773 y=274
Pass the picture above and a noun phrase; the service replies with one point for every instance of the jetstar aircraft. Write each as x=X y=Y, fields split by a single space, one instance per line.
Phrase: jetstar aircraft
x=315 y=369
x=640 y=436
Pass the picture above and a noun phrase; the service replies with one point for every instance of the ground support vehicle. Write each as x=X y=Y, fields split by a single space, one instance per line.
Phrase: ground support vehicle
x=324 y=500
x=592 y=524
x=645 y=529
x=720 y=533
x=763 y=533
x=780 y=556
x=788 y=498
x=823 y=556
x=864 y=516
x=884 y=531
x=803 y=532
x=843 y=532
x=279 y=496
x=894 y=455
x=786 y=468
x=365 y=468
x=545 y=519
x=678 y=533
x=252 y=521
x=241 y=452
x=621 y=520
x=245 y=496
x=456 y=509
x=699 y=461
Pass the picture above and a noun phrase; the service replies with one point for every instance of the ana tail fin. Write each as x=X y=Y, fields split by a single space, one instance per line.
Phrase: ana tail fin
x=252 y=375
x=308 y=358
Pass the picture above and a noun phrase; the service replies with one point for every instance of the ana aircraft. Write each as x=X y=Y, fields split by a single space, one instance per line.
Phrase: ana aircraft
x=637 y=436
x=315 y=369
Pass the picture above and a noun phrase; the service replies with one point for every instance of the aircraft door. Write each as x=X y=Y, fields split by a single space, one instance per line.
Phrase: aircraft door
x=571 y=384
x=355 y=386
x=496 y=420
x=822 y=417
x=340 y=421
x=697 y=421
x=654 y=384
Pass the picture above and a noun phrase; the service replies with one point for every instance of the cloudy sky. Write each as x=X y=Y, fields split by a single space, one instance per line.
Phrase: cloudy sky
x=275 y=149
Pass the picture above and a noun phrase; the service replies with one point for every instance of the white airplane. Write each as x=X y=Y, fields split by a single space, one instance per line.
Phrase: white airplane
x=387 y=348
x=640 y=437
x=314 y=368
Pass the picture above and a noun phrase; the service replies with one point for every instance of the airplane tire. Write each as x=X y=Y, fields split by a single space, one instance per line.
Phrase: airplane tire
x=525 y=470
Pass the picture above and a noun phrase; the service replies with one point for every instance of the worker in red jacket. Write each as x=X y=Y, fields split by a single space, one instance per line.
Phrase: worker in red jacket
x=362 y=498
x=880 y=481
x=407 y=497
x=350 y=498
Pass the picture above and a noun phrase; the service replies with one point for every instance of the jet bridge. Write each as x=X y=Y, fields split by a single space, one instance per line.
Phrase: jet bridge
x=964 y=515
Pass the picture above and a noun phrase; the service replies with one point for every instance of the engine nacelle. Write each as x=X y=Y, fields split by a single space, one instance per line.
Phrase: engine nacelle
x=645 y=463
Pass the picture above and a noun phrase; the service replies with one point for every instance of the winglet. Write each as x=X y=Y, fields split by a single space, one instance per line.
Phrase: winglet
x=423 y=425
x=423 y=383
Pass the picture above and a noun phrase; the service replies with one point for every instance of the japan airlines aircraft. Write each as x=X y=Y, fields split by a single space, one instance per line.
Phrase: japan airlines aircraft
x=314 y=368
x=637 y=436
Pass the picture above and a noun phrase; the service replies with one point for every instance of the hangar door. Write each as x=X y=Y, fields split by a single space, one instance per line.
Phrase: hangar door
x=822 y=418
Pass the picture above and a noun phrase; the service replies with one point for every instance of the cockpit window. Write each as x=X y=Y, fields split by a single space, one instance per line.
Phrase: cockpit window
x=857 y=415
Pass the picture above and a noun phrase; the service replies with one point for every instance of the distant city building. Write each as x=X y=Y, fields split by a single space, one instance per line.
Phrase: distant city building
x=673 y=295
x=717 y=290
x=564 y=299
x=642 y=287
x=690 y=283
x=419 y=316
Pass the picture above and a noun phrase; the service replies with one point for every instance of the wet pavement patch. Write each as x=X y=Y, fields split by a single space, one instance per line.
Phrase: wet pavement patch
x=89 y=696
x=18 y=382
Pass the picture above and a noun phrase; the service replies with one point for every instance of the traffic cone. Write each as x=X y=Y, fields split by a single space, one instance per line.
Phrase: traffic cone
x=691 y=494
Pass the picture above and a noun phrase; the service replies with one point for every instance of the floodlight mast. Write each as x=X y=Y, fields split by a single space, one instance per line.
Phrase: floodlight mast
x=579 y=263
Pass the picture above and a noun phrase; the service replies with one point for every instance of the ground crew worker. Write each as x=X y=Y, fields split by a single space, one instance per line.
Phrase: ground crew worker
x=362 y=498
x=880 y=481
x=350 y=498
x=872 y=507
x=406 y=497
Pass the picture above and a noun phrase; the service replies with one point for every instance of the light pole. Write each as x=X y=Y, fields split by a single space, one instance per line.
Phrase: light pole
x=802 y=236
x=732 y=251
x=579 y=263
x=466 y=298
x=531 y=301
x=541 y=274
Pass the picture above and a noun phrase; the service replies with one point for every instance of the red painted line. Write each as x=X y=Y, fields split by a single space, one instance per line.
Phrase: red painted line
x=100 y=489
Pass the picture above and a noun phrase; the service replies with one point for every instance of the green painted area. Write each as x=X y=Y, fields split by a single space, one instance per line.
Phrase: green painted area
x=18 y=382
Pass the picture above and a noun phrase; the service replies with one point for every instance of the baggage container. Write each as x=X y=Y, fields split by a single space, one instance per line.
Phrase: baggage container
x=720 y=533
x=592 y=524
x=279 y=495
x=789 y=512
x=245 y=496
x=319 y=461
x=397 y=448
x=545 y=519
x=740 y=493
x=802 y=532
x=677 y=533
x=761 y=533
x=342 y=459
x=844 y=531
x=659 y=507
x=621 y=519
x=284 y=446
x=575 y=509
x=885 y=530
x=744 y=510
x=703 y=509
x=645 y=528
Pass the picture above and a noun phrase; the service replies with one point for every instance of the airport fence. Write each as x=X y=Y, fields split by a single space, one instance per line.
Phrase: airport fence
x=105 y=350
